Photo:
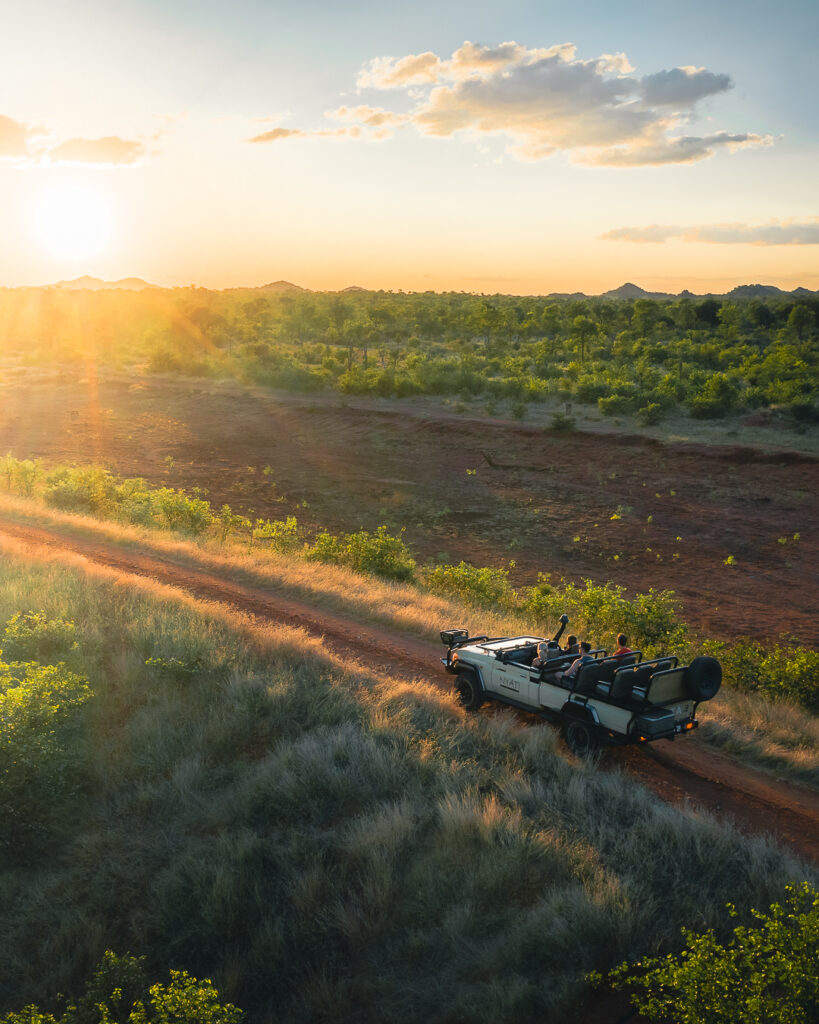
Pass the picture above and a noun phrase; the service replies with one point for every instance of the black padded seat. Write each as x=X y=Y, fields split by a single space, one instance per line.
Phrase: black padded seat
x=588 y=677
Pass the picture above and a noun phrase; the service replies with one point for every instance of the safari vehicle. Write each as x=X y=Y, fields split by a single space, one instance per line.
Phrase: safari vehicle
x=610 y=700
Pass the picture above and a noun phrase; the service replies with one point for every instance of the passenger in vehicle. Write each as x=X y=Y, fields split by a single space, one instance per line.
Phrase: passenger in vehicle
x=622 y=649
x=539 y=659
x=571 y=645
x=574 y=668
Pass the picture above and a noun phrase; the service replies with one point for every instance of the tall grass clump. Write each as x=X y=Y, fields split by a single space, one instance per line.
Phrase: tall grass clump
x=325 y=844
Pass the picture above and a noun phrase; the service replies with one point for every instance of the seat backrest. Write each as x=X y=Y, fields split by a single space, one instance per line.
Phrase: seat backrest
x=625 y=679
x=667 y=684
x=588 y=677
x=607 y=669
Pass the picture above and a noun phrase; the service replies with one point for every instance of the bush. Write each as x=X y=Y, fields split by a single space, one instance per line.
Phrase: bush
x=367 y=552
x=119 y=992
x=484 y=588
x=767 y=974
x=38 y=758
x=784 y=671
x=30 y=636
x=560 y=421
x=180 y=511
x=89 y=489
x=281 y=534
x=650 y=414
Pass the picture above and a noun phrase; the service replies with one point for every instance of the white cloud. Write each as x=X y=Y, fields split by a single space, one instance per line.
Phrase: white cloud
x=110 y=151
x=543 y=100
x=776 y=233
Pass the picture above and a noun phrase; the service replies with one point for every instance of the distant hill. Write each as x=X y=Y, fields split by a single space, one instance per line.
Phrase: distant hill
x=281 y=286
x=354 y=288
x=755 y=291
x=96 y=284
x=633 y=291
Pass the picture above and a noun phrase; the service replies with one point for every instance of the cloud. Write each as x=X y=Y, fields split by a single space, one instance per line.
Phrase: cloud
x=14 y=139
x=545 y=100
x=540 y=101
x=660 y=150
x=681 y=86
x=276 y=133
x=776 y=233
x=110 y=151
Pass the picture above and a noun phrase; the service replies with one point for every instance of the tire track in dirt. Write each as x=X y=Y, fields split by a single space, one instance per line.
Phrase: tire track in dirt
x=680 y=773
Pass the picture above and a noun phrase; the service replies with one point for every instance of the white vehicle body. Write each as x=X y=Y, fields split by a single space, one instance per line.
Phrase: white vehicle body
x=609 y=700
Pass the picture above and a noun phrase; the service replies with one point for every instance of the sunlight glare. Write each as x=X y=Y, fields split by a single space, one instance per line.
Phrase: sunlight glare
x=74 y=221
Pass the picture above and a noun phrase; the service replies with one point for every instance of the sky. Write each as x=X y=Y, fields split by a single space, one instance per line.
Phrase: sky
x=525 y=147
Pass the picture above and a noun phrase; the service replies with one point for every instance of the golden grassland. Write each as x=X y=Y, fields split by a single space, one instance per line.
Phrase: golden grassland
x=330 y=843
x=774 y=736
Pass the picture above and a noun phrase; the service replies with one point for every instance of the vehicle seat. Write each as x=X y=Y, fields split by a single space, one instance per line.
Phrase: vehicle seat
x=588 y=677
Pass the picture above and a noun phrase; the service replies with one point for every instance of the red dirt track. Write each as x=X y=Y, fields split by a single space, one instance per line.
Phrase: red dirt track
x=733 y=530
x=680 y=772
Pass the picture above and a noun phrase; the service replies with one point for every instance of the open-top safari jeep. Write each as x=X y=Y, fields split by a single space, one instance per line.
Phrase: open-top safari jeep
x=610 y=700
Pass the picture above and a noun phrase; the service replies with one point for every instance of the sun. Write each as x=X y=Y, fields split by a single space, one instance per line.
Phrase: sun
x=74 y=221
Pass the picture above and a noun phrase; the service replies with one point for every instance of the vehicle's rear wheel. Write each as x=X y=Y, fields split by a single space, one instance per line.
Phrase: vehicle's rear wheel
x=580 y=737
x=468 y=689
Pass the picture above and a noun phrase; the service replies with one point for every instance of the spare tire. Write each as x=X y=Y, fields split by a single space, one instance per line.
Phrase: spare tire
x=703 y=678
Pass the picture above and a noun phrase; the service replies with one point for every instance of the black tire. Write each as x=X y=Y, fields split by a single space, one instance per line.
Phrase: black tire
x=703 y=678
x=580 y=737
x=469 y=691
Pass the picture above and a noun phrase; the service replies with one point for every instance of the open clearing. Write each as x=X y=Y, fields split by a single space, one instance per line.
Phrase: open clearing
x=683 y=772
x=623 y=508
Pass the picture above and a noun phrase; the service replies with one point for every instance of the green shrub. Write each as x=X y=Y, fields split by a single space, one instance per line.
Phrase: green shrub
x=368 y=552
x=482 y=587
x=39 y=759
x=650 y=414
x=766 y=974
x=560 y=421
x=780 y=671
x=31 y=636
x=180 y=511
x=119 y=993
x=281 y=534
x=90 y=489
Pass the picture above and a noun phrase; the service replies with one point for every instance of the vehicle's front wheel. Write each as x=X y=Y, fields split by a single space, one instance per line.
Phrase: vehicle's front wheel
x=468 y=689
x=580 y=737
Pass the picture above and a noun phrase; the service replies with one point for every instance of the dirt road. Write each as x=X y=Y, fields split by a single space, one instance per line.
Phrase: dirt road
x=684 y=771
x=732 y=530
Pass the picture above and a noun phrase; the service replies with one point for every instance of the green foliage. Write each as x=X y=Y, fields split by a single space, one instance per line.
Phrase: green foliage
x=650 y=414
x=779 y=671
x=39 y=758
x=560 y=421
x=119 y=993
x=180 y=511
x=482 y=587
x=767 y=974
x=32 y=636
x=90 y=489
x=601 y=612
x=280 y=534
x=176 y=669
x=365 y=551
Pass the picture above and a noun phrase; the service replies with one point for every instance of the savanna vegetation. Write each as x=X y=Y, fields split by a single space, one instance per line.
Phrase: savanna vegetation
x=766 y=714
x=641 y=358
x=321 y=843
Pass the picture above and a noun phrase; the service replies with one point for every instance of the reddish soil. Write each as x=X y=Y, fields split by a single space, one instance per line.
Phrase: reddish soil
x=682 y=772
x=598 y=506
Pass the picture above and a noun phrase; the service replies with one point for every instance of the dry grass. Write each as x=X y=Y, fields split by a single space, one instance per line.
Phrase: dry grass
x=776 y=737
x=333 y=587
x=330 y=844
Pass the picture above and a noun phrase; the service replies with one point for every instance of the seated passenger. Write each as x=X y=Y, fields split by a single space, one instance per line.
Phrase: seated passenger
x=622 y=640
x=571 y=645
x=571 y=672
x=542 y=654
